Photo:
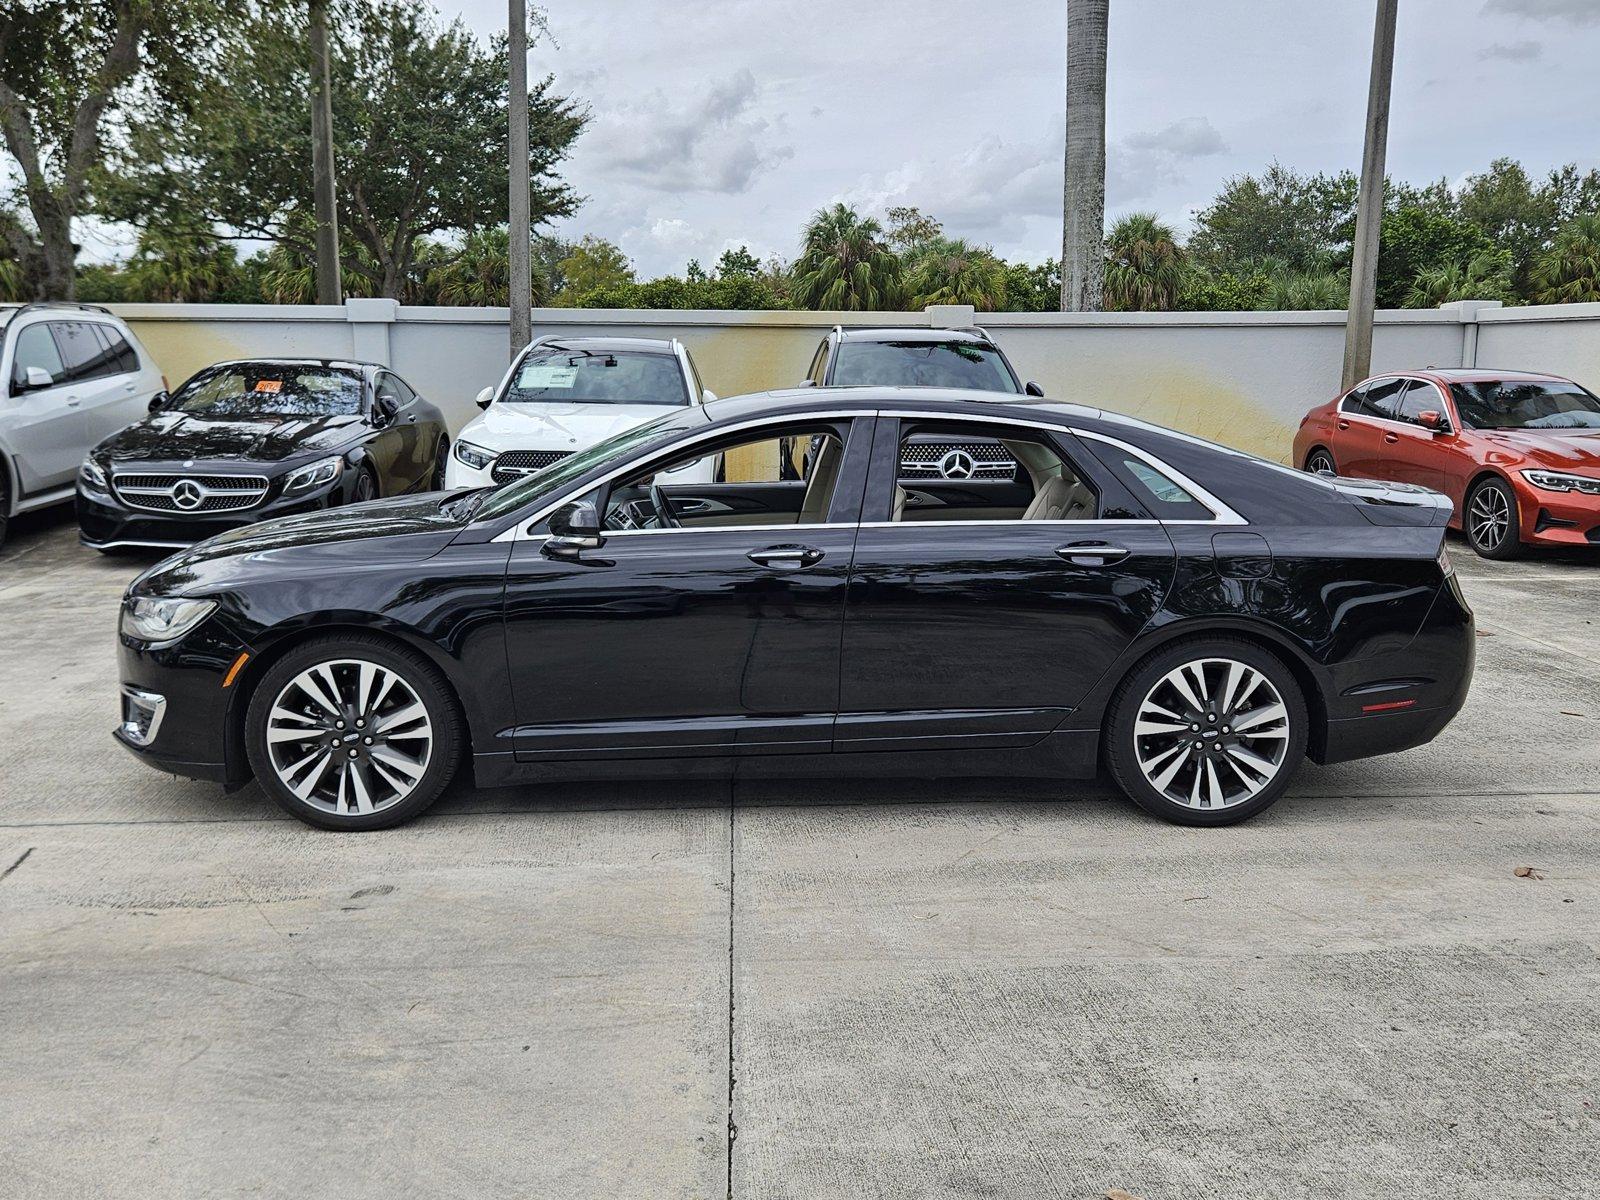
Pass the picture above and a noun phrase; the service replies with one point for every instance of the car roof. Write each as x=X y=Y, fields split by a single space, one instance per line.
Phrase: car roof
x=608 y=345
x=1472 y=374
x=337 y=364
x=913 y=333
x=957 y=402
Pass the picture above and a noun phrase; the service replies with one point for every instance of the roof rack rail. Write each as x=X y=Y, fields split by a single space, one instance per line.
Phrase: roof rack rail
x=71 y=305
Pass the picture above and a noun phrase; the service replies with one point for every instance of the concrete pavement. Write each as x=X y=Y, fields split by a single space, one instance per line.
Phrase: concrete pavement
x=957 y=990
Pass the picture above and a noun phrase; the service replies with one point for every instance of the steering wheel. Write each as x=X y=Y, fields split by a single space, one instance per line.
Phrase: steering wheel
x=666 y=516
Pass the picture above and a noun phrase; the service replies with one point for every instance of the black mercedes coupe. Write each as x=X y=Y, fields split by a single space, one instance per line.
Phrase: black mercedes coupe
x=243 y=441
x=1192 y=620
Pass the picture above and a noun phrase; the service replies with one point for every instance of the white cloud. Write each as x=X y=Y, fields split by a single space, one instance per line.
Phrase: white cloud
x=1192 y=137
x=1579 y=12
x=1516 y=52
x=708 y=142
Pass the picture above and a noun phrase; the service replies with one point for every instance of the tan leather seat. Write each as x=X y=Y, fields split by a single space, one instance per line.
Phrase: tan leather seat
x=1058 y=500
x=819 y=488
x=899 y=513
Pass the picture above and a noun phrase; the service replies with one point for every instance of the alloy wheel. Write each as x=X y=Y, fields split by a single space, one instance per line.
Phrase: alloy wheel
x=1321 y=463
x=1489 y=518
x=1211 y=733
x=349 y=736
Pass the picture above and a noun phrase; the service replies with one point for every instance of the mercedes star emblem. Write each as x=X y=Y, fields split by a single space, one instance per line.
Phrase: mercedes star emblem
x=957 y=464
x=187 y=495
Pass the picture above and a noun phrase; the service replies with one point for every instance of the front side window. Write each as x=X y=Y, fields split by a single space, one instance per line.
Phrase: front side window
x=552 y=376
x=1526 y=404
x=1419 y=398
x=269 y=389
x=955 y=364
x=761 y=479
x=36 y=348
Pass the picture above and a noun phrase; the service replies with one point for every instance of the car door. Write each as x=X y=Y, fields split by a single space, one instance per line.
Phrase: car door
x=44 y=423
x=1363 y=420
x=713 y=639
x=94 y=370
x=1412 y=452
x=987 y=633
x=413 y=460
x=113 y=400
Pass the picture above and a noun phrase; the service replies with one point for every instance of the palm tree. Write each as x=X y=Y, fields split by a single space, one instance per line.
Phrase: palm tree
x=1486 y=277
x=949 y=271
x=1302 y=291
x=1569 y=272
x=181 y=268
x=480 y=274
x=845 y=264
x=1144 y=265
x=1084 y=191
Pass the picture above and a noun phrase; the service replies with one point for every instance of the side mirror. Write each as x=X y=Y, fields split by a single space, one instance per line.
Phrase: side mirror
x=159 y=401
x=38 y=377
x=1435 y=421
x=1032 y=389
x=707 y=395
x=385 y=407
x=484 y=397
x=573 y=528
x=807 y=383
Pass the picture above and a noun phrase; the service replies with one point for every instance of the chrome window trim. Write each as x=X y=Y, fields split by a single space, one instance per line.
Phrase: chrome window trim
x=517 y=531
x=1223 y=515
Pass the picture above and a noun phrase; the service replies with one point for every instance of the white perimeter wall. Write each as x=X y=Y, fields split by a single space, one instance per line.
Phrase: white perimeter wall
x=1243 y=379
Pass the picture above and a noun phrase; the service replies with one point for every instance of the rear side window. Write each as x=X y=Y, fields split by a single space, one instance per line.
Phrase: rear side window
x=122 y=354
x=1165 y=497
x=83 y=354
x=1376 y=399
x=36 y=348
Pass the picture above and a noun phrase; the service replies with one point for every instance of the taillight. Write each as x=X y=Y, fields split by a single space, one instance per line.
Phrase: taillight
x=1445 y=565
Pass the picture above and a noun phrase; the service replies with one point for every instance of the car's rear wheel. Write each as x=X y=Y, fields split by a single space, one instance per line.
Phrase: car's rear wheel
x=1320 y=462
x=1206 y=732
x=1491 y=522
x=353 y=733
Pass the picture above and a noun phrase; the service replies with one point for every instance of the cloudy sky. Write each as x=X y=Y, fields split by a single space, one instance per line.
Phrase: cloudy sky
x=721 y=122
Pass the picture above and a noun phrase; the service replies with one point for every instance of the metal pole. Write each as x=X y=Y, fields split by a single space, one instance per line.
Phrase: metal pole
x=1369 y=204
x=329 y=286
x=519 y=232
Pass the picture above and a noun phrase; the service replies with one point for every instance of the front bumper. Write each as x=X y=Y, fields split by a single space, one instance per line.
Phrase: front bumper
x=1558 y=518
x=458 y=475
x=177 y=714
x=105 y=523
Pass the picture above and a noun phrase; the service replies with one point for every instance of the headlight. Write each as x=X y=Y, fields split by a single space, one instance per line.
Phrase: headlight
x=475 y=457
x=91 y=477
x=161 y=622
x=1556 y=481
x=318 y=473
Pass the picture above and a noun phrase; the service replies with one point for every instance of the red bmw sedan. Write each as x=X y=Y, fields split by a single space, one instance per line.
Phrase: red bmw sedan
x=1517 y=452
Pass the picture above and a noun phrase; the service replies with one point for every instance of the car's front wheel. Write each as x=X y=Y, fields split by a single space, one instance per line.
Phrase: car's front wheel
x=1491 y=523
x=353 y=733
x=441 y=464
x=1206 y=732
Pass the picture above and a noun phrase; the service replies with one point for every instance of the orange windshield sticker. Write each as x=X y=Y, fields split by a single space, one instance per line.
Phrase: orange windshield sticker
x=269 y=385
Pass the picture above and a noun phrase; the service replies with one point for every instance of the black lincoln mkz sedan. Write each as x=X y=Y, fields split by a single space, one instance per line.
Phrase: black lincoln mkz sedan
x=243 y=441
x=1192 y=619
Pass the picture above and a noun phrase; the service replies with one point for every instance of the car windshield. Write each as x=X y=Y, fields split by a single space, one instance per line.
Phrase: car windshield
x=1526 y=404
x=550 y=480
x=923 y=364
x=276 y=389
x=597 y=377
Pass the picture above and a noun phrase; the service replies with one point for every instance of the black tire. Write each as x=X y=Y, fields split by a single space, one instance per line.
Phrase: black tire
x=416 y=672
x=1122 y=755
x=5 y=504
x=441 y=461
x=366 y=487
x=1320 y=460
x=1490 y=520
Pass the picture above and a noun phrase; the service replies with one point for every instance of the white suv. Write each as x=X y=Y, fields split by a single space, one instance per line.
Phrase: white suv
x=70 y=376
x=564 y=394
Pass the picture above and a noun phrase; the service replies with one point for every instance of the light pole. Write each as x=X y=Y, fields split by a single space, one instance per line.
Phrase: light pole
x=519 y=234
x=330 y=289
x=1369 y=203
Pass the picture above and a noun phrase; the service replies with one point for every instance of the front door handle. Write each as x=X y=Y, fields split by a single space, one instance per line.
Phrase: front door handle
x=1391 y=438
x=1091 y=554
x=786 y=558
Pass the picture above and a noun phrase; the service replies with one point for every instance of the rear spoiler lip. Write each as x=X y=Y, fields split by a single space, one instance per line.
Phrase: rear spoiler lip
x=1384 y=502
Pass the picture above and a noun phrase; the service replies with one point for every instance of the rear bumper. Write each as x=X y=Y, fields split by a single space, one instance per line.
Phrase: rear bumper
x=1399 y=701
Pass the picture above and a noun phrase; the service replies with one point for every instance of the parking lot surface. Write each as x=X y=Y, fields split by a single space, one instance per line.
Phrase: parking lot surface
x=871 y=988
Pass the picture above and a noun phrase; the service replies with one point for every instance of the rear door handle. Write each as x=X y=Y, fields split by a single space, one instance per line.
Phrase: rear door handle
x=1344 y=424
x=73 y=402
x=786 y=558
x=1391 y=438
x=1091 y=554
